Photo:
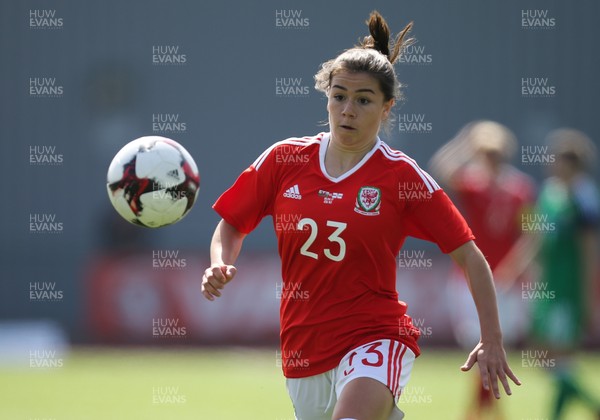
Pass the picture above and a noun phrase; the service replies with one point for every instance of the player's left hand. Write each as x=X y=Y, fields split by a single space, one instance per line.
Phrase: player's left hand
x=493 y=366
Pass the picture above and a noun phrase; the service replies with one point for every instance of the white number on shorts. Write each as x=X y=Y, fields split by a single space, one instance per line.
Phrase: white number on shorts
x=334 y=237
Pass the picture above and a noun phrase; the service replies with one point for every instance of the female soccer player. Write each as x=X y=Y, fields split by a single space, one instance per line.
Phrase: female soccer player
x=347 y=343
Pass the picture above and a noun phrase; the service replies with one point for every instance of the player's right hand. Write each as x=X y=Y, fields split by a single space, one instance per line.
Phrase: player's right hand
x=215 y=278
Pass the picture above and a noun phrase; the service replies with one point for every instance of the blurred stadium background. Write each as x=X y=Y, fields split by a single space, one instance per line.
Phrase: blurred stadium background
x=100 y=319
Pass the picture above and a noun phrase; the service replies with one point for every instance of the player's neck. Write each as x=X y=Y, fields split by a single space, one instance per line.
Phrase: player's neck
x=340 y=158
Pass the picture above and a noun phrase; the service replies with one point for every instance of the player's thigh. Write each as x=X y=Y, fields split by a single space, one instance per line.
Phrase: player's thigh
x=370 y=378
x=313 y=397
x=364 y=398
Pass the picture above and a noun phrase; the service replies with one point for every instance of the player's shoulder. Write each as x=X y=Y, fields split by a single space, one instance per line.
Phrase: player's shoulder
x=300 y=142
x=407 y=169
x=394 y=157
x=295 y=146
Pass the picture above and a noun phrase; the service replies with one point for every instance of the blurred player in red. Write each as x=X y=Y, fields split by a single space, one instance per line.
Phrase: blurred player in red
x=494 y=196
x=347 y=344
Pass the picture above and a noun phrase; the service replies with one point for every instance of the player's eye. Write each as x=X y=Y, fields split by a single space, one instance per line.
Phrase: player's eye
x=363 y=101
x=338 y=97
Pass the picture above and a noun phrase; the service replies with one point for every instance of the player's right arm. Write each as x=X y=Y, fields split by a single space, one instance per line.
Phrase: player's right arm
x=241 y=208
x=225 y=247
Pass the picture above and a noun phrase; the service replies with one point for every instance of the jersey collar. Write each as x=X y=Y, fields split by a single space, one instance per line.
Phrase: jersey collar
x=323 y=150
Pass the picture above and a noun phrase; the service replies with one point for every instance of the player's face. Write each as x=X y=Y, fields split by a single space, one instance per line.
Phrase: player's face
x=565 y=166
x=356 y=107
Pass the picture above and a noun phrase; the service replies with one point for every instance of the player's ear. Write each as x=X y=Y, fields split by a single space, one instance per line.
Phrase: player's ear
x=387 y=108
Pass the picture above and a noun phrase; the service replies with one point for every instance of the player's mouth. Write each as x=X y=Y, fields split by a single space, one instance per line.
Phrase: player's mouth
x=347 y=127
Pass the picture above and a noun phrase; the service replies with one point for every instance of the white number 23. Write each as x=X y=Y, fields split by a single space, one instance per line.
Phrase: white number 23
x=334 y=237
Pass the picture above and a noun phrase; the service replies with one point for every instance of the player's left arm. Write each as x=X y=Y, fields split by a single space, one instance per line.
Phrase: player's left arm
x=489 y=352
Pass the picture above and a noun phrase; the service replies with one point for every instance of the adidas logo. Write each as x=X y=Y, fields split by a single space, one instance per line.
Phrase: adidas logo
x=173 y=174
x=293 y=192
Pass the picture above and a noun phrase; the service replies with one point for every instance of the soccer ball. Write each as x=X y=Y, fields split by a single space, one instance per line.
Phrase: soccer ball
x=153 y=181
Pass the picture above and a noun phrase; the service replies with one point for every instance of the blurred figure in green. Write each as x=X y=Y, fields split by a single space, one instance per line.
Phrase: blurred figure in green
x=568 y=214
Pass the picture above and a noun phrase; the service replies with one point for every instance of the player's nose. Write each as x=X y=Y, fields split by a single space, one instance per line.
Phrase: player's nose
x=348 y=110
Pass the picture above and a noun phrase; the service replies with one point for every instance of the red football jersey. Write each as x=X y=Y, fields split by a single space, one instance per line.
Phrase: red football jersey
x=338 y=239
x=494 y=206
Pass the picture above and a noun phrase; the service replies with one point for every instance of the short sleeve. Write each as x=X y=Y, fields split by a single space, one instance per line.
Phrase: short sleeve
x=250 y=198
x=438 y=220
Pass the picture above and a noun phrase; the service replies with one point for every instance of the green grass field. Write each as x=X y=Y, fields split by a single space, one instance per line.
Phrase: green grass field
x=233 y=383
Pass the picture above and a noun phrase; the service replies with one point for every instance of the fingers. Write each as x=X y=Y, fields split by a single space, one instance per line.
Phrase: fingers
x=493 y=368
x=493 y=378
x=228 y=271
x=469 y=362
x=215 y=278
x=209 y=290
x=484 y=373
x=511 y=375
x=502 y=375
x=505 y=384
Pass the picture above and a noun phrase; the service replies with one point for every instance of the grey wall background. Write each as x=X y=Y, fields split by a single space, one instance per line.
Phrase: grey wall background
x=225 y=94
